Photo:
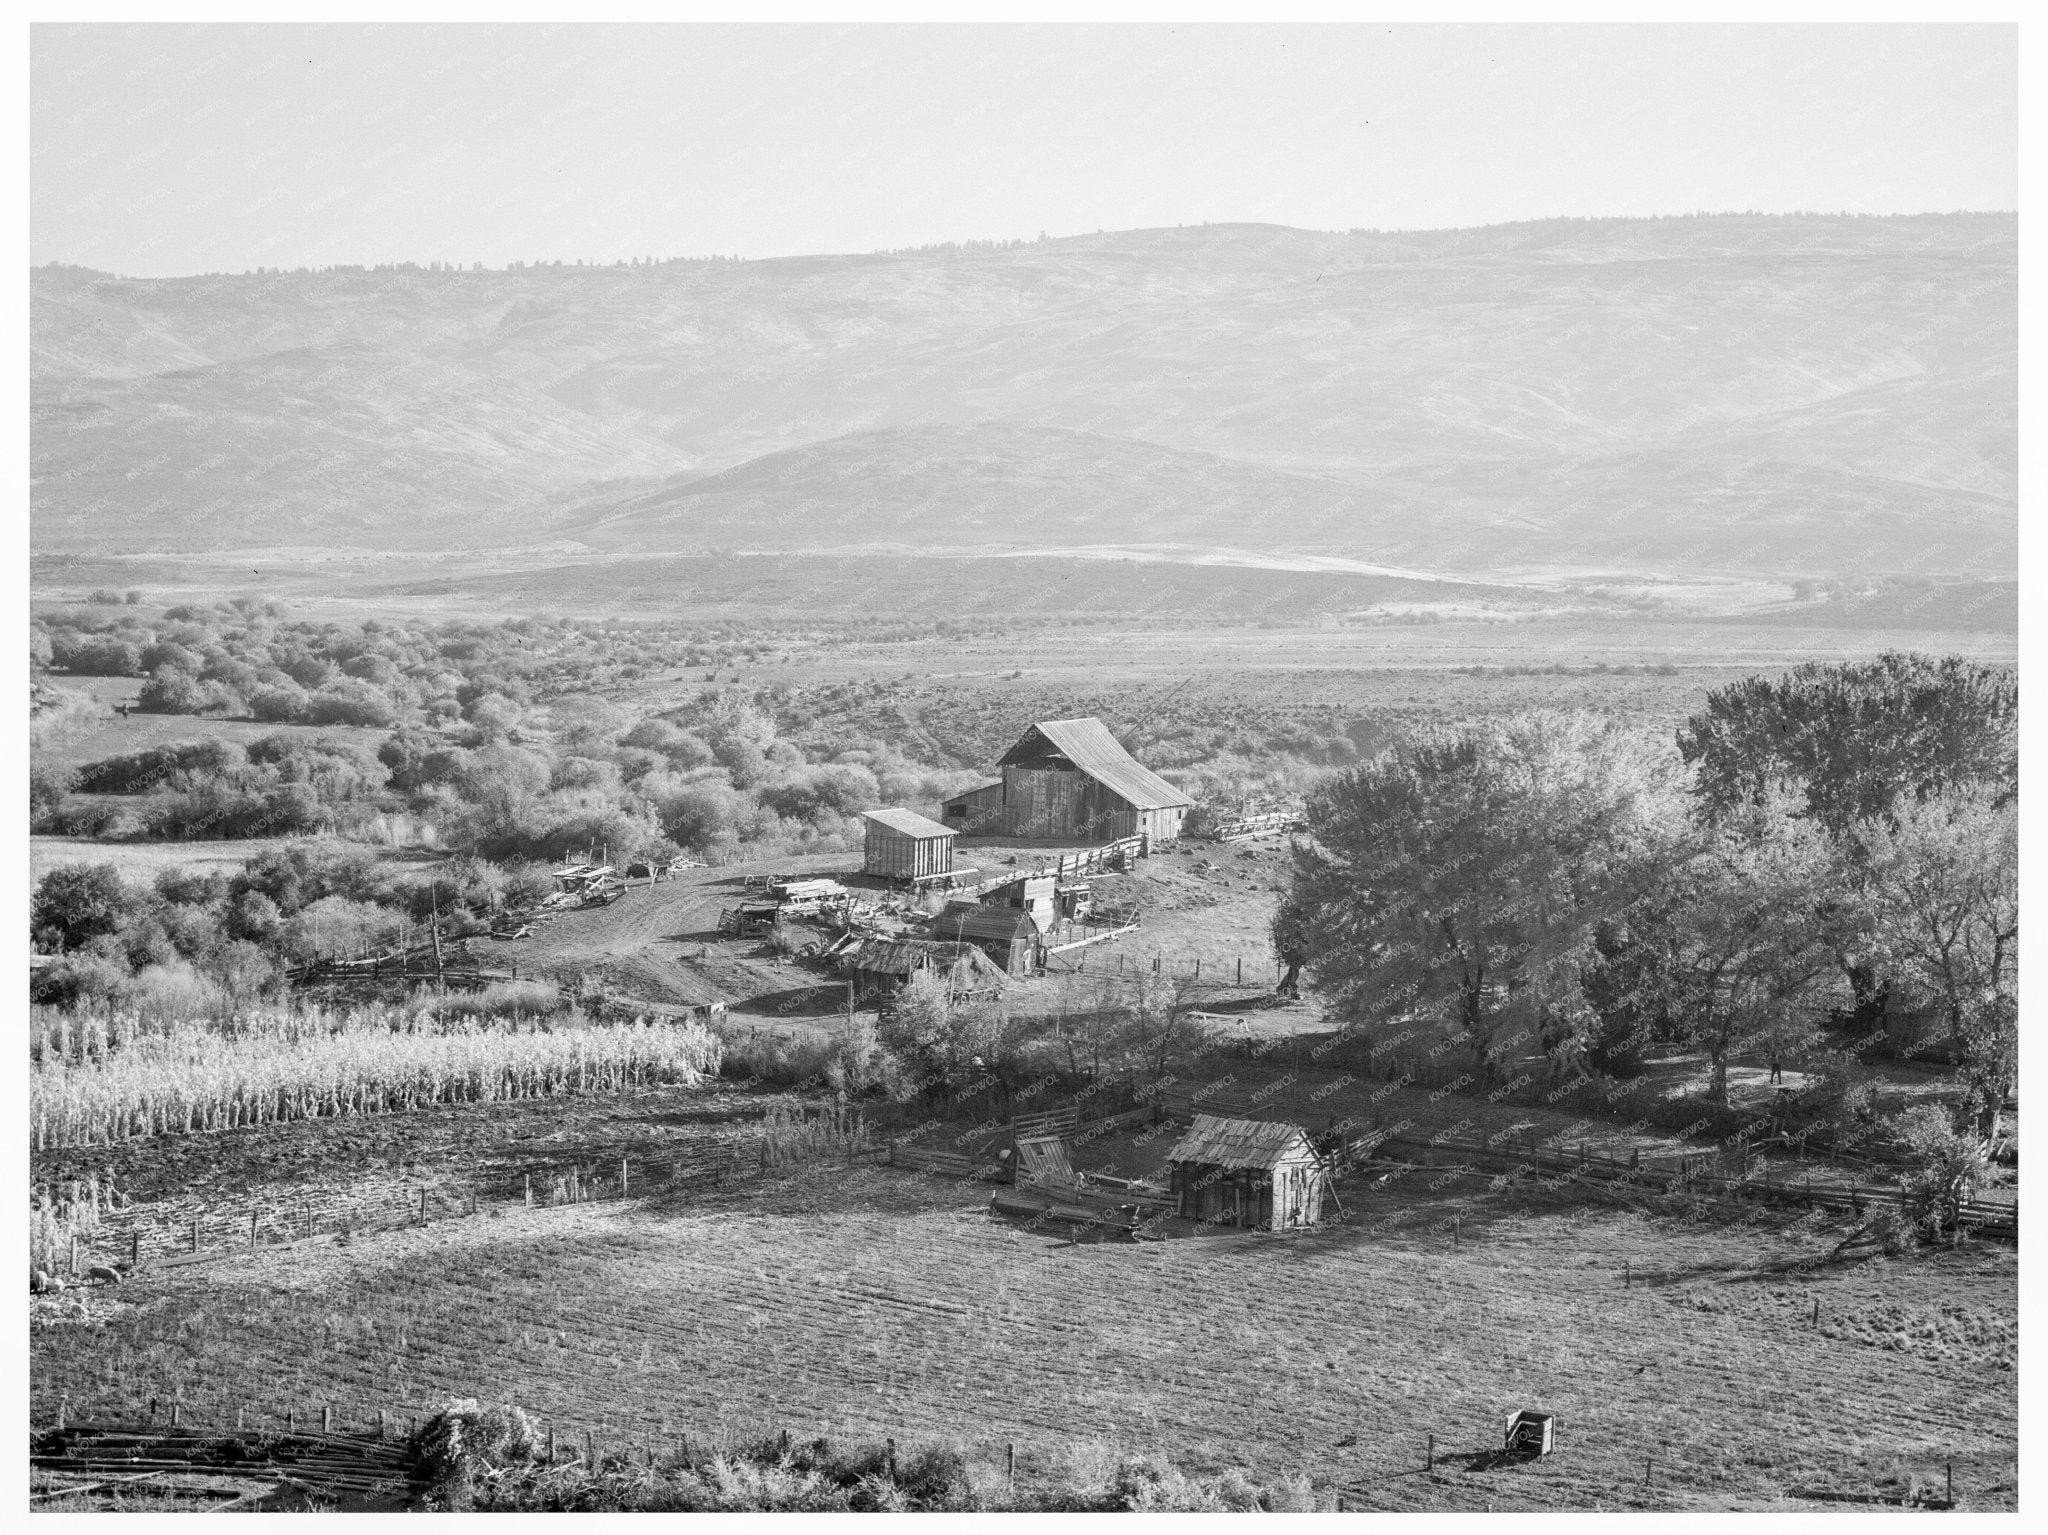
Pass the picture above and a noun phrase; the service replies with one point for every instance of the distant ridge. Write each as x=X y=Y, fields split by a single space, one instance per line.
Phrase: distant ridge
x=1810 y=393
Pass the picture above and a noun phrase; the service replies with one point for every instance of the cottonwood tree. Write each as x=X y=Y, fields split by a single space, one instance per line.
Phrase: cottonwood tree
x=1854 y=742
x=1746 y=956
x=1942 y=895
x=1464 y=877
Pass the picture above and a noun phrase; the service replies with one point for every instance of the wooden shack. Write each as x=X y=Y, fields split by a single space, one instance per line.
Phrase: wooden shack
x=1247 y=1172
x=1036 y=894
x=1073 y=780
x=901 y=844
x=1006 y=934
x=880 y=965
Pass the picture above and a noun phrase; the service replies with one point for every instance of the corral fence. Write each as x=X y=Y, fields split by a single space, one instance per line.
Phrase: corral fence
x=1747 y=1170
x=1258 y=972
x=151 y=1236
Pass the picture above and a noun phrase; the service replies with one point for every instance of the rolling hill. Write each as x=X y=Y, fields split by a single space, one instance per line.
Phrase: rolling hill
x=1802 y=394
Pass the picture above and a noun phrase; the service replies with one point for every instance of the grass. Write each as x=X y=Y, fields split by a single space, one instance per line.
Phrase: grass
x=857 y=1303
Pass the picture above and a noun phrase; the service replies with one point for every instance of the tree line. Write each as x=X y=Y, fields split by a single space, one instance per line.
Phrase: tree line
x=1816 y=861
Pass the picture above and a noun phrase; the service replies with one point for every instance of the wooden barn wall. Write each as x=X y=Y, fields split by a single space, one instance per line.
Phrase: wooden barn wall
x=1063 y=802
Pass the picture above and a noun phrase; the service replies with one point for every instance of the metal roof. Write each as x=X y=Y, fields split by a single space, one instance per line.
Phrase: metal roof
x=908 y=823
x=1256 y=1143
x=1088 y=744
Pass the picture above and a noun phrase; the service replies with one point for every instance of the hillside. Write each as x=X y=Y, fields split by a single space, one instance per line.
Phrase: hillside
x=1769 y=394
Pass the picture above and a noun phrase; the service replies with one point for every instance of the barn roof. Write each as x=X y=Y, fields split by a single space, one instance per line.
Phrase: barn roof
x=1088 y=744
x=1215 y=1142
x=907 y=823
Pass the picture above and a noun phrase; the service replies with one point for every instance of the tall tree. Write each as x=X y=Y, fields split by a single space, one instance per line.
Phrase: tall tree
x=1943 y=897
x=1855 y=739
x=1747 y=954
x=1853 y=742
x=1464 y=877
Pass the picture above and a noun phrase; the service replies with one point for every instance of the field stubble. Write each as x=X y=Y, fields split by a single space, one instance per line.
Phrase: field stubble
x=864 y=1301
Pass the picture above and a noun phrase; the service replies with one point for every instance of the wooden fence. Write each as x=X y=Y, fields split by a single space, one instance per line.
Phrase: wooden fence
x=1744 y=1171
x=152 y=1236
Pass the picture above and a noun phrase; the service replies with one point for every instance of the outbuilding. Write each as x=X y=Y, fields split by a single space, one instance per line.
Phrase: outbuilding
x=1248 y=1172
x=1006 y=934
x=901 y=844
x=880 y=965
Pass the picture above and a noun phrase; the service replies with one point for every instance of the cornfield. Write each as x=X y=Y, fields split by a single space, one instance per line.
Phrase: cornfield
x=56 y=1215
x=790 y=1138
x=86 y=1090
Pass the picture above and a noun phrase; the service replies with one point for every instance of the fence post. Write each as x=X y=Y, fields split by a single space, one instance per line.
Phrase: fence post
x=622 y=1177
x=590 y=1448
x=327 y=1420
x=177 y=1410
x=529 y=1189
x=423 y=1205
x=195 y=1233
x=252 y=1228
x=135 y=1248
x=1432 y=1453
x=74 y=1253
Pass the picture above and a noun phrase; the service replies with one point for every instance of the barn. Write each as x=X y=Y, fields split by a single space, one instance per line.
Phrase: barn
x=1073 y=780
x=1006 y=934
x=1247 y=1172
x=901 y=844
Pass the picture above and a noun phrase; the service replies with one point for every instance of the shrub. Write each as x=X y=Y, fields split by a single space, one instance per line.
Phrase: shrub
x=47 y=786
x=78 y=903
x=1946 y=1167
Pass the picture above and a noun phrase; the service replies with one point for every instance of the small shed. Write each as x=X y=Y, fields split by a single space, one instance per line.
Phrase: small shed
x=883 y=964
x=1006 y=934
x=977 y=812
x=1033 y=893
x=1247 y=1172
x=901 y=844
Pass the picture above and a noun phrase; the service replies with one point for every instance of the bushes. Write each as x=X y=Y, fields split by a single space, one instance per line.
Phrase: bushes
x=489 y=1458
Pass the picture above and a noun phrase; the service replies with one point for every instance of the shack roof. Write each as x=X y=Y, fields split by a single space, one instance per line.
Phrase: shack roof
x=965 y=965
x=908 y=823
x=1005 y=924
x=1214 y=1142
x=1088 y=744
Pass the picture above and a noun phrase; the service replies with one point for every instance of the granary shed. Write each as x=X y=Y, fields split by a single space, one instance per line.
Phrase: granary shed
x=1247 y=1172
x=901 y=844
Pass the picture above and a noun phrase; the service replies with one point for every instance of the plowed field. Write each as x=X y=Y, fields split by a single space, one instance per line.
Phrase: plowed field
x=869 y=1301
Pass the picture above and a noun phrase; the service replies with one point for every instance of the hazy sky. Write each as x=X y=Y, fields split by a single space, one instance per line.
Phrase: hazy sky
x=159 y=150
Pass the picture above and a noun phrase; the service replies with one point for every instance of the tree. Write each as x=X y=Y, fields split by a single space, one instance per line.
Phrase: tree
x=1942 y=893
x=47 y=786
x=1464 y=877
x=1855 y=739
x=1746 y=954
x=77 y=903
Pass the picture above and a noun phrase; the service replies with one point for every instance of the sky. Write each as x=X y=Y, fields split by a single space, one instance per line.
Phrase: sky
x=169 y=150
